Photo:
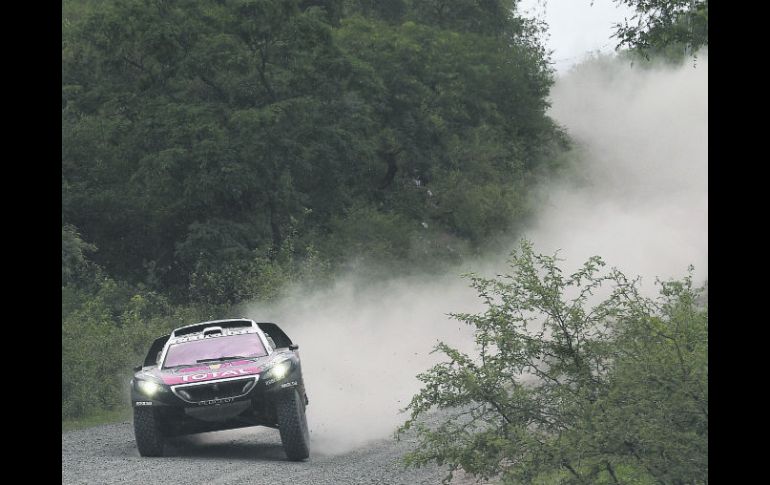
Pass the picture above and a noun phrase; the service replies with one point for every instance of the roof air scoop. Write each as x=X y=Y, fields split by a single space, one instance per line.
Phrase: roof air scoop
x=208 y=331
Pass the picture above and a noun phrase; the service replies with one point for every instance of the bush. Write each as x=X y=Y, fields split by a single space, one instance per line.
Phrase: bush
x=569 y=388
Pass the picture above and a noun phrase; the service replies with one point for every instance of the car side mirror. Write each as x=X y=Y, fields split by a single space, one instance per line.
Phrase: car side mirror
x=293 y=347
x=137 y=368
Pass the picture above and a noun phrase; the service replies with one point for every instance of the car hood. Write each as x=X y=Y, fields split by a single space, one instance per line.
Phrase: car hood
x=213 y=370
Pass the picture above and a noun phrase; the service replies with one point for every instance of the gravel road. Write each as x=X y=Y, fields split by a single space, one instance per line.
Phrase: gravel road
x=107 y=455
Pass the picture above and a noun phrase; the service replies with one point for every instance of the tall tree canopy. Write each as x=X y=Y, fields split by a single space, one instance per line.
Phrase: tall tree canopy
x=198 y=135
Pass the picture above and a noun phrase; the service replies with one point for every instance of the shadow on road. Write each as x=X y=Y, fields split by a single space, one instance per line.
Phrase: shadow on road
x=197 y=447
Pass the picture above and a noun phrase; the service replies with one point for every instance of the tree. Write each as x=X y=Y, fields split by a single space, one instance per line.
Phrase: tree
x=479 y=16
x=184 y=120
x=73 y=253
x=458 y=112
x=200 y=136
x=576 y=379
x=664 y=24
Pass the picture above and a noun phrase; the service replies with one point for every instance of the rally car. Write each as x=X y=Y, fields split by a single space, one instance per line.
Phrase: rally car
x=219 y=375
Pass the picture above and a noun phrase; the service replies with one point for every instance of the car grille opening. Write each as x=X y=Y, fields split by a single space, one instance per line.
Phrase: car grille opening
x=216 y=390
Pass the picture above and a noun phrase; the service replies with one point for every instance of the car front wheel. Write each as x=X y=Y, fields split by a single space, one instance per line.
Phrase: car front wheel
x=292 y=425
x=149 y=439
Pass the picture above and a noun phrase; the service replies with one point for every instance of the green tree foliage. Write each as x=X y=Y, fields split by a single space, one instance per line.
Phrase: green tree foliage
x=672 y=28
x=391 y=11
x=458 y=112
x=74 y=260
x=188 y=120
x=577 y=379
x=479 y=16
x=198 y=136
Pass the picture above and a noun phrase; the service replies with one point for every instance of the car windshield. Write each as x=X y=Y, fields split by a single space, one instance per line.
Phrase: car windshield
x=189 y=353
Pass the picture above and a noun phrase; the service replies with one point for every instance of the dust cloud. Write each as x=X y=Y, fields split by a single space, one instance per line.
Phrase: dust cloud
x=638 y=198
x=362 y=344
x=641 y=201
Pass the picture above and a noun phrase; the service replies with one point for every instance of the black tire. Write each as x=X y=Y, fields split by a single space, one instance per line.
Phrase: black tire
x=149 y=439
x=292 y=425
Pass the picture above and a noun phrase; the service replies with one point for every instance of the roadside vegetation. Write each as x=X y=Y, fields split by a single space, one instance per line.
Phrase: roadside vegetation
x=577 y=379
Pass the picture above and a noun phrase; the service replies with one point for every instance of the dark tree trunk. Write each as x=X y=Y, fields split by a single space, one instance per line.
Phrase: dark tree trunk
x=390 y=159
x=275 y=225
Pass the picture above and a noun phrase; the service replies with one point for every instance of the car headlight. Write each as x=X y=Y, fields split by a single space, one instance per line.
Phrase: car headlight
x=148 y=388
x=279 y=371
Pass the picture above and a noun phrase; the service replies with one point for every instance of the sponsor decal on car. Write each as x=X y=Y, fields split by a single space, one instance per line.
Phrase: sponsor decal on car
x=207 y=367
x=205 y=376
x=289 y=384
x=215 y=401
x=144 y=403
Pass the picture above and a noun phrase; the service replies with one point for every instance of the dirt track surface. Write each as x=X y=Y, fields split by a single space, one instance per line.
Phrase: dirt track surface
x=107 y=455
